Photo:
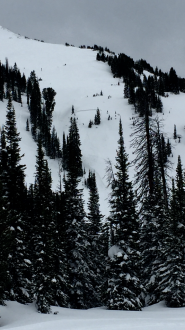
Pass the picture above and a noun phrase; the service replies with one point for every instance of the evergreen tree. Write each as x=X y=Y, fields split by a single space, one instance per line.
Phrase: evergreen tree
x=13 y=188
x=96 y=251
x=171 y=272
x=74 y=158
x=77 y=244
x=97 y=118
x=175 y=133
x=49 y=95
x=35 y=106
x=45 y=279
x=124 y=286
x=27 y=125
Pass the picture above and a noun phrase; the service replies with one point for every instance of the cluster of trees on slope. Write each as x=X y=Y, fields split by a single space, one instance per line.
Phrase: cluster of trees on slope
x=158 y=82
x=148 y=258
x=11 y=80
x=40 y=105
x=53 y=253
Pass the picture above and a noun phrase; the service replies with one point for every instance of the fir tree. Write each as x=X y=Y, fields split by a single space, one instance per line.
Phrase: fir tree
x=12 y=178
x=175 y=133
x=77 y=244
x=97 y=118
x=124 y=286
x=49 y=97
x=45 y=254
x=171 y=272
x=74 y=156
x=96 y=253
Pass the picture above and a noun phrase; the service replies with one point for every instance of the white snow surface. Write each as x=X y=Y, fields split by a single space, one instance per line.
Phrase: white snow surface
x=76 y=76
x=25 y=317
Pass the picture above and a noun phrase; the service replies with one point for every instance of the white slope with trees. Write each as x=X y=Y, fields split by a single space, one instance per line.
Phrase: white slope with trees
x=84 y=85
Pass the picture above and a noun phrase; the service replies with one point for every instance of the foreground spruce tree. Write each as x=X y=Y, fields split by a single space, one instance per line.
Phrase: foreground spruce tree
x=171 y=272
x=96 y=248
x=124 y=286
x=44 y=237
x=14 y=195
x=81 y=292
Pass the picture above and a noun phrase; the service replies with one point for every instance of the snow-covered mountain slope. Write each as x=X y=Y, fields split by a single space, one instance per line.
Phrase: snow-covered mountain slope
x=76 y=77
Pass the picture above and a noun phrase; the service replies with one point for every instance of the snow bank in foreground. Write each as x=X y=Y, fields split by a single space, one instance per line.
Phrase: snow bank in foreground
x=159 y=317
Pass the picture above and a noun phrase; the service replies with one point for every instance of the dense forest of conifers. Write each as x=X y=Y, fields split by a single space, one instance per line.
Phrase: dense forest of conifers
x=52 y=251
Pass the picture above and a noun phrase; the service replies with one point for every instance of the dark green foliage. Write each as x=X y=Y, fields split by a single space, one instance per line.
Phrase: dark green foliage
x=96 y=248
x=27 y=125
x=49 y=98
x=74 y=156
x=81 y=293
x=171 y=272
x=124 y=286
x=97 y=118
x=14 y=192
x=175 y=133
x=45 y=253
x=90 y=123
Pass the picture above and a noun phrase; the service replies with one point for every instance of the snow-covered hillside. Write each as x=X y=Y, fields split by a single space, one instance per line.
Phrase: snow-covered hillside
x=76 y=77
x=78 y=80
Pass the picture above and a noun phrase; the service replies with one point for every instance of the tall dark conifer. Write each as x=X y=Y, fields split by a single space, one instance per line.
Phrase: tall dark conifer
x=14 y=191
x=44 y=237
x=96 y=248
x=74 y=152
x=124 y=286
x=171 y=272
x=77 y=243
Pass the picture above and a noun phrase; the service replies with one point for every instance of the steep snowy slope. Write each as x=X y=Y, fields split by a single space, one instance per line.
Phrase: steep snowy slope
x=76 y=77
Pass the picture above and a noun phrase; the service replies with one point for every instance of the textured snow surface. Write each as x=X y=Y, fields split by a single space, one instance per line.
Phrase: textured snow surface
x=159 y=317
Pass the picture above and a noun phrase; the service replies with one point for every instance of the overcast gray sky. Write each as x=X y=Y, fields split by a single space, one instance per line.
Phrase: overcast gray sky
x=150 y=29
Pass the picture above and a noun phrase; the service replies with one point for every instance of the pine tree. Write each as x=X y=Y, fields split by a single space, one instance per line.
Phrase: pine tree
x=27 y=125
x=49 y=95
x=77 y=243
x=124 y=286
x=96 y=248
x=151 y=165
x=13 y=188
x=74 y=158
x=35 y=106
x=171 y=272
x=63 y=287
x=97 y=118
x=45 y=254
